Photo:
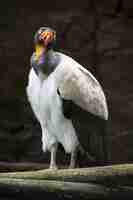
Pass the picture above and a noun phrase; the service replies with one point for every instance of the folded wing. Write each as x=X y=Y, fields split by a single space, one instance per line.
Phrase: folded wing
x=81 y=87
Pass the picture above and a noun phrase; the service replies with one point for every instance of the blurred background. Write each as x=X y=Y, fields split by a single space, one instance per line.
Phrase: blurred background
x=99 y=35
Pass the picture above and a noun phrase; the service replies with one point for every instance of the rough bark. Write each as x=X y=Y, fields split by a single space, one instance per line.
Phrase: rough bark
x=108 y=182
x=67 y=190
x=107 y=175
x=58 y=188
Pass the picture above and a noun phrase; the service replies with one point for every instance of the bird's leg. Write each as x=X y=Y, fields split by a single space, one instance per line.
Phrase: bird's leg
x=73 y=158
x=53 y=151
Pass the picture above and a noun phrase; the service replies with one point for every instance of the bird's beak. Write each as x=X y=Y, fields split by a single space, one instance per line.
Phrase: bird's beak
x=47 y=37
x=39 y=49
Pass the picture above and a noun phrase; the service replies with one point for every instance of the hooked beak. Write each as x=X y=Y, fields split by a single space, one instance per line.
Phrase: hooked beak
x=39 y=49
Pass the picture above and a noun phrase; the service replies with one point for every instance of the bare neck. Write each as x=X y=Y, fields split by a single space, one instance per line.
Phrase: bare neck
x=51 y=60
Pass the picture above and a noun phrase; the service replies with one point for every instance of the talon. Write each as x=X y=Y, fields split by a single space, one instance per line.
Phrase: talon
x=53 y=167
x=71 y=167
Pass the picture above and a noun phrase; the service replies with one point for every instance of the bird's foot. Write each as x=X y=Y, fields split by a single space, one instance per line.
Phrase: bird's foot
x=72 y=164
x=53 y=167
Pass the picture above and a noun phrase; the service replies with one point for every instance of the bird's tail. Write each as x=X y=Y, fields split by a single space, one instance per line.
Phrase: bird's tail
x=83 y=152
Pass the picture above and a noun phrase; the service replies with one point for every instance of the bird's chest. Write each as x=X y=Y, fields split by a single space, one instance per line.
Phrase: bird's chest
x=45 y=101
x=49 y=102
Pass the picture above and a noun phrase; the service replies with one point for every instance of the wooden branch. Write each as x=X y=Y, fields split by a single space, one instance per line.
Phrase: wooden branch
x=55 y=187
x=38 y=189
x=108 y=175
x=107 y=182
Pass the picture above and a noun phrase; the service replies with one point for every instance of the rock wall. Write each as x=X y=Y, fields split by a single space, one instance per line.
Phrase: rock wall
x=98 y=34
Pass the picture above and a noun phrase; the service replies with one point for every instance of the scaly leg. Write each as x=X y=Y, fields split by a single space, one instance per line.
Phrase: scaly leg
x=73 y=158
x=53 y=156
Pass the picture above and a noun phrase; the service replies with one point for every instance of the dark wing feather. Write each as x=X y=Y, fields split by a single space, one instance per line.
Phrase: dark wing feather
x=90 y=129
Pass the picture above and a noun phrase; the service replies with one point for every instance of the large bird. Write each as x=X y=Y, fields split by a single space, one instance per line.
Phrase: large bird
x=60 y=92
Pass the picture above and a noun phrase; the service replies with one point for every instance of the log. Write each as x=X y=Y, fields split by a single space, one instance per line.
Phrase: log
x=50 y=187
x=40 y=189
x=107 y=175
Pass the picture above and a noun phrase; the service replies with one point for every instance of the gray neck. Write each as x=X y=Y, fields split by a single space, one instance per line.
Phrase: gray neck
x=49 y=62
x=46 y=64
x=50 y=58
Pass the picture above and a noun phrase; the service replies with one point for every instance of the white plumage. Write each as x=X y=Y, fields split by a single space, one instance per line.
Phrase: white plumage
x=73 y=83
x=47 y=106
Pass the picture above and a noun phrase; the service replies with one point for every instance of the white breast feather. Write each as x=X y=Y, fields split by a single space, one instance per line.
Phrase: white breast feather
x=46 y=105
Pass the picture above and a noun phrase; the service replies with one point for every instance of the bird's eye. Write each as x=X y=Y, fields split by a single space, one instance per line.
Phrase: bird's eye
x=39 y=32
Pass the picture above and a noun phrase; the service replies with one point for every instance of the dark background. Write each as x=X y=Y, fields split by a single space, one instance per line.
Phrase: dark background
x=98 y=34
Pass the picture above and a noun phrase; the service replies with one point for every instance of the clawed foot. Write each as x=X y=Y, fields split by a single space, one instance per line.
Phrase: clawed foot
x=71 y=166
x=53 y=167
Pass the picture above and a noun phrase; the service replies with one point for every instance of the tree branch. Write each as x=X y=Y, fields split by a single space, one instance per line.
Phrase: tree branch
x=67 y=190
x=107 y=175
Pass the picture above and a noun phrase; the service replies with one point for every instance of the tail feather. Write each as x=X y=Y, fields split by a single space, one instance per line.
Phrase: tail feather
x=83 y=152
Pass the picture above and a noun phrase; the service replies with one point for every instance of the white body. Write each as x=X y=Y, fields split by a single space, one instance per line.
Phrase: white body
x=75 y=83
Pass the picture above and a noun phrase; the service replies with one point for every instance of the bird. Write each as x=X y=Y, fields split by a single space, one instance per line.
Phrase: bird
x=61 y=91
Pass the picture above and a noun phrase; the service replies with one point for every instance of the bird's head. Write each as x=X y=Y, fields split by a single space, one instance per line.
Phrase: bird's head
x=44 y=39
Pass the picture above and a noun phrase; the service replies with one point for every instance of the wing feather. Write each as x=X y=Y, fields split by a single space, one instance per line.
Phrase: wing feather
x=80 y=86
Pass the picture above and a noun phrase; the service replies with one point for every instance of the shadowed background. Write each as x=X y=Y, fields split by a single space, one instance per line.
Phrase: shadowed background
x=98 y=34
